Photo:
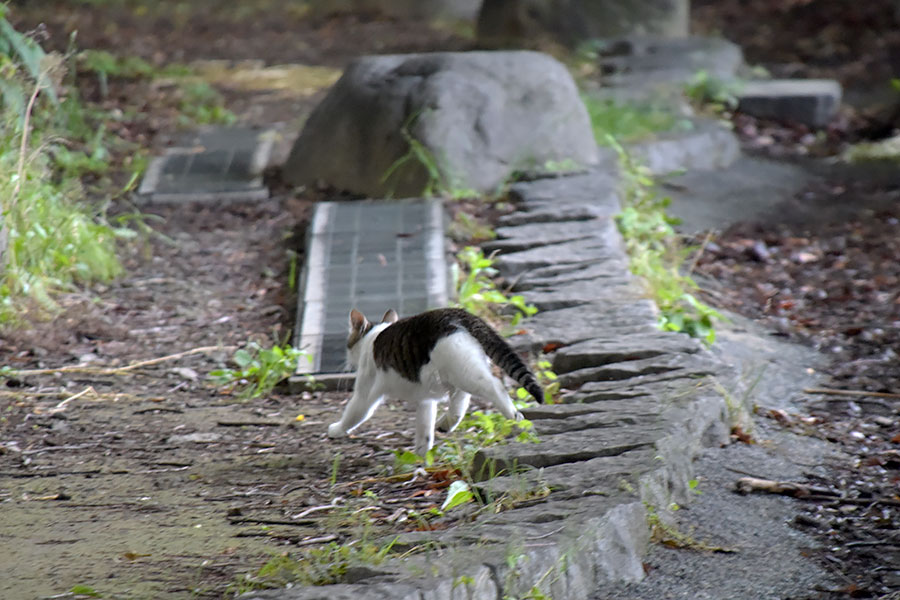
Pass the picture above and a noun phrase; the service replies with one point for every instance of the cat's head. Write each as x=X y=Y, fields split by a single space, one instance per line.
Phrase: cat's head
x=360 y=326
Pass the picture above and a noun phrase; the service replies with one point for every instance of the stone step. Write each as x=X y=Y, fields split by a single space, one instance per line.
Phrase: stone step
x=811 y=102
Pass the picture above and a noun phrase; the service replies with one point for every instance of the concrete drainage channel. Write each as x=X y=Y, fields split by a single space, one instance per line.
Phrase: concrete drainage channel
x=620 y=446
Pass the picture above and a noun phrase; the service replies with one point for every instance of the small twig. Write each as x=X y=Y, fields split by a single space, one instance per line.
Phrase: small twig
x=798 y=490
x=120 y=370
x=318 y=540
x=309 y=511
x=272 y=522
x=834 y=392
x=62 y=405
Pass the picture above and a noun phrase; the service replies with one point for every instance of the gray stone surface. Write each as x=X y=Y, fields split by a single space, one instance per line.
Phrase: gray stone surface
x=579 y=251
x=604 y=475
x=581 y=292
x=525 y=236
x=812 y=102
x=575 y=446
x=652 y=72
x=553 y=276
x=639 y=61
x=594 y=191
x=570 y=325
x=480 y=115
x=757 y=188
x=705 y=147
x=601 y=351
x=517 y=22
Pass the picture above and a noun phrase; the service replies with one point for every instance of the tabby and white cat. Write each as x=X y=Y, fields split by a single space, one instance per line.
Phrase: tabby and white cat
x=424 y=359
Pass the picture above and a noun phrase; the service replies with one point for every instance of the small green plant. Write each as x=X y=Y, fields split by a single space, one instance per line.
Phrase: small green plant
x=629 y=122
x=259 y=369
x=437 y=182
x=85 y=590
x=477 y=292
x=711 y=92
x=202 y=104
x=655 y=254
x=317 y=566
x=476 y=431
x=466 y=228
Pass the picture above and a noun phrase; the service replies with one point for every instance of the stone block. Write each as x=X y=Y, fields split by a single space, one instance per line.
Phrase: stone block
x=478 y=115
x=572 y=447
x=707 y=146
x=811 y=102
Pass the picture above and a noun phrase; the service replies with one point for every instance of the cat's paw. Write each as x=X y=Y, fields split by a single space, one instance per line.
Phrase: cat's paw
x=519 y=416
x=445 y=425
x=336 y=431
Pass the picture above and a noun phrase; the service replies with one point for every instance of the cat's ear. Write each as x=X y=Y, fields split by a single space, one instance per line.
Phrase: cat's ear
x=390 y=316
x=358 y=321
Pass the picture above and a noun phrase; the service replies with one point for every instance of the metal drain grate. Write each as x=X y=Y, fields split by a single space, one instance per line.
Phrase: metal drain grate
x=369 y=255
x=214 y=165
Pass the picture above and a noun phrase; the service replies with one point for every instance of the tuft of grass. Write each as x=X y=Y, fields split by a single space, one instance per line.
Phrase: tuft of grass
x=437 y=181
x=656 y=255
x=628 y=122
x=51 y=240
x=712 y=93
x=477 y=292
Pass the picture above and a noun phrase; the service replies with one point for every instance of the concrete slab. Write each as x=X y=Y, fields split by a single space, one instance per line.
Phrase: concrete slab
x=213 y=165
x=812 y=102
x=372 y=256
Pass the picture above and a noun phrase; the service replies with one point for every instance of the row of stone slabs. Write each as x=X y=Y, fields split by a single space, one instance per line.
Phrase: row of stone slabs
x=368 y=255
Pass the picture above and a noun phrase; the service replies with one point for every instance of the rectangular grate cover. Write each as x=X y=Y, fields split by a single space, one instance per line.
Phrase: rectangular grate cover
x=369 y=255
x=217 y=164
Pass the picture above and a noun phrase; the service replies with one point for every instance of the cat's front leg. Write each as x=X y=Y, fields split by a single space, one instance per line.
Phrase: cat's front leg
x=425 y=414
x=358 y=410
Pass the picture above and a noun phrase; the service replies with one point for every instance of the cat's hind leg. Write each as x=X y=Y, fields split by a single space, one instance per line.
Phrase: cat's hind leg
x=425 y=414
x=456 y=410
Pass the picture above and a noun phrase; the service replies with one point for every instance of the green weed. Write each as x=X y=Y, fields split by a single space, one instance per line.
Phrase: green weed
x=629 y=122
x=712 y=93
x=437 y=181
x=50 y=240
x=477 y=292
x=316 y=566
x=655 y=253
x=476 y=431
x=259 y=369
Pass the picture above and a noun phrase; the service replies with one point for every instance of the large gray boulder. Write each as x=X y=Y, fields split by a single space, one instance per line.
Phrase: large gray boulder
x=522 y=22
x=477 y=116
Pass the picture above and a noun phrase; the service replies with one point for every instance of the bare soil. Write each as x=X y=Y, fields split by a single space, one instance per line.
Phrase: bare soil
x=156 y=483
